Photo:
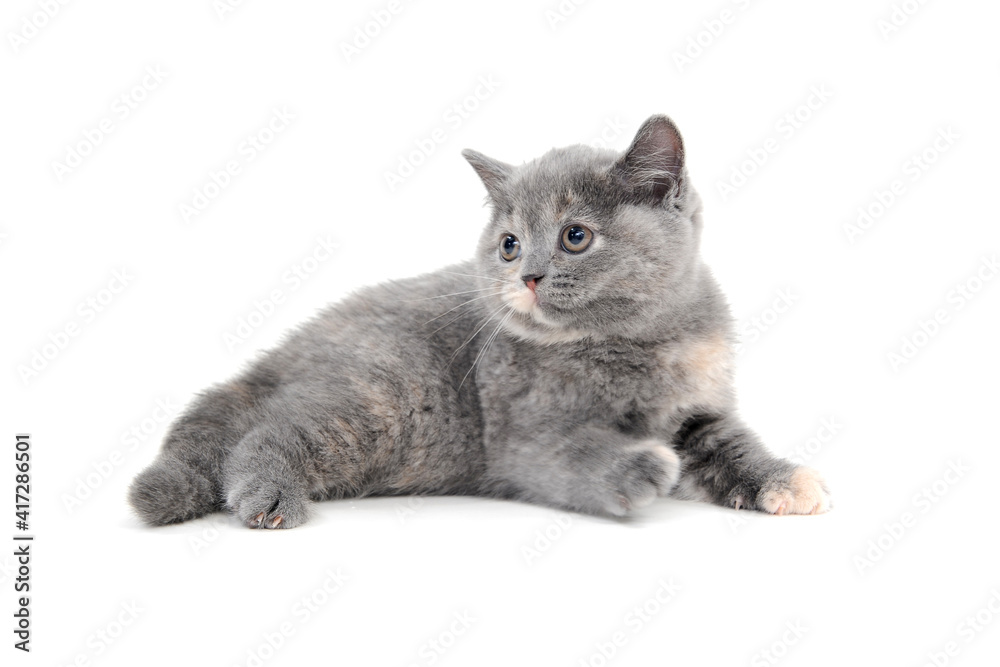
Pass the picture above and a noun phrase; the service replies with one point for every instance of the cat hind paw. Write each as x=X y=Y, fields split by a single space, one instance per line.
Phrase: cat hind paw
x=268 y=507
x=647 y=470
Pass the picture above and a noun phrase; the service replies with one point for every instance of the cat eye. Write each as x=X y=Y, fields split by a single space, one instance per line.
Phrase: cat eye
x=510 y=247
x=576 y=238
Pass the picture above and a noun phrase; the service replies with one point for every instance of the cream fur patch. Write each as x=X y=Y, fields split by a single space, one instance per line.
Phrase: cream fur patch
x=805 y=493
x=703 y=370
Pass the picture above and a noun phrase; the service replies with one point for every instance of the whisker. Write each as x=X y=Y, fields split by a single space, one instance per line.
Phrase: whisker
x=489 y=342
x=449 y=322
x=476 y=333
x=478 y=298
x=441 y=296
x=472 y=275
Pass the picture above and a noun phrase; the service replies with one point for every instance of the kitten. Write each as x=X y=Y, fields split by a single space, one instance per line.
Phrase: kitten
x=582 y=360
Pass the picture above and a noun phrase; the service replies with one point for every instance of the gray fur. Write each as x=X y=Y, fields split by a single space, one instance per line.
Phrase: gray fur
x=609 y=391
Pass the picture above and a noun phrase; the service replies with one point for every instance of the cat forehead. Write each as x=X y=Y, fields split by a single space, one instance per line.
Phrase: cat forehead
x=541 y=211
x=565 y=166
x=563 y=182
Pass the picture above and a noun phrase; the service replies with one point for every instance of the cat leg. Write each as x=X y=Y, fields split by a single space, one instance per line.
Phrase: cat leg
x=724 y=462
x=586 y=469
x=184 y=482
x=265 y=478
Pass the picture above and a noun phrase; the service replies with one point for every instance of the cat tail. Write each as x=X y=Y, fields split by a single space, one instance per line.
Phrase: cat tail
x=172 y=490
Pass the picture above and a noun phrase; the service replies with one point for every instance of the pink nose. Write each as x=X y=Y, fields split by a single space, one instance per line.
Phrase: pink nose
x=531 y=280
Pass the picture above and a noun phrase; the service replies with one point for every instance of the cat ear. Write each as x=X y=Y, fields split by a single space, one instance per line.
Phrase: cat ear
x=653 y=164
x=493 y=173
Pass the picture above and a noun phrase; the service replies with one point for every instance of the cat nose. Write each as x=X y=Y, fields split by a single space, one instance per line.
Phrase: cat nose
x=531 y=280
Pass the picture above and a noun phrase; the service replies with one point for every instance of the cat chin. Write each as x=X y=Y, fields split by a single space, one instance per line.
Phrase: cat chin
x=522 y=301
x=534 y=328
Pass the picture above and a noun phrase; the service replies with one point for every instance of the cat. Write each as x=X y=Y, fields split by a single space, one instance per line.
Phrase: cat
x=582 y=360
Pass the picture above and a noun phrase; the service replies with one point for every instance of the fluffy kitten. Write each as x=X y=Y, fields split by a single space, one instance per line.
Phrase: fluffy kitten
x=581 y=360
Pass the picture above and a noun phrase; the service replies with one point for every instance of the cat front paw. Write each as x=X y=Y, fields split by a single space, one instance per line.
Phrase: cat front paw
x=644 y=471
x=268 y=506
x=803 y=492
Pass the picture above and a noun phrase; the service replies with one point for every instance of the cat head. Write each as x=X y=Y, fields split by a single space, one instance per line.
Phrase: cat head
x=588 y=242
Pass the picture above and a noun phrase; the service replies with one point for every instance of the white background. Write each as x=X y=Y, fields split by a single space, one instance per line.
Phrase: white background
x=857 y=584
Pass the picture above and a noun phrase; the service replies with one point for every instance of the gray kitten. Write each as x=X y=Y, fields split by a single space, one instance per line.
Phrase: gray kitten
x=582 y=360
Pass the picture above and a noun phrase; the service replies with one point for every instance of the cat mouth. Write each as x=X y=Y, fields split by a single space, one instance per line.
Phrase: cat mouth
x=524 y=301
x=531 y=309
